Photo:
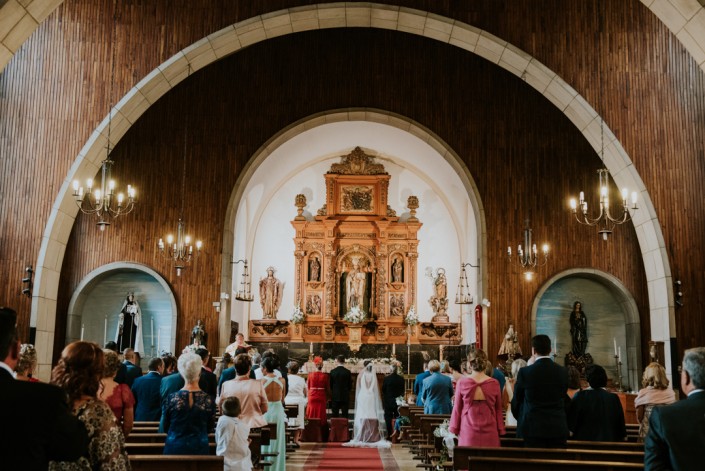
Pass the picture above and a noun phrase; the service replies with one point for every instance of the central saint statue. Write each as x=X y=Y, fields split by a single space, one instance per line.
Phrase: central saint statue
x=355 y=289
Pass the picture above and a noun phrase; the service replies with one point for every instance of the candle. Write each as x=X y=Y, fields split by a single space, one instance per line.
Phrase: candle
x=310 y=348
x=152 y=330
x=614 y=339
x=82 y=329
x=159 y=332
x=555 y=345
x=619 y=354
x=394 y=349
x=105 y=331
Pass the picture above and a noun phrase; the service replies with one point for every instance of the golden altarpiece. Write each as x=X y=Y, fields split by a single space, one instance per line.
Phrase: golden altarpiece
x=354 y=254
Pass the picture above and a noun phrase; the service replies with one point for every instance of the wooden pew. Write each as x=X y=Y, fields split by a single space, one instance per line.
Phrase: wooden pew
x=624 y=446
x=176 y=463
x=154 y=448
x=462 y=455
x=483 y=463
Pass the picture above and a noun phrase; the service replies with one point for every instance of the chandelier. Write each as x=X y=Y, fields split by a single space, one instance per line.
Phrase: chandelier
x=528 y=257
x=463 y=296
x=180 y=250
x=245 y=291
x=102 y=201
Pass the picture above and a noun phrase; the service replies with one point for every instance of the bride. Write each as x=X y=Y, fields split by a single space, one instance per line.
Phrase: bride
x=369 y=428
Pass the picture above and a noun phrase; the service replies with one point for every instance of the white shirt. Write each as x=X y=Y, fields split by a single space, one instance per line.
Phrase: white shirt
x=231 y=436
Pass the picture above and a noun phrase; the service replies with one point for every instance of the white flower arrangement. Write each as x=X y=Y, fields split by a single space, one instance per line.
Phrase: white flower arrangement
x=442 y=429
x=298 y=316
x=355 y=316
x=411 y=317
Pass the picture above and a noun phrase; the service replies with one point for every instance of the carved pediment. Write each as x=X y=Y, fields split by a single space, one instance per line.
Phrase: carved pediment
x=357 y=163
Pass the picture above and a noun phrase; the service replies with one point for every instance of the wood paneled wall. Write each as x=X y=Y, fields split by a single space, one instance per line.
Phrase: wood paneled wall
x=525 y=156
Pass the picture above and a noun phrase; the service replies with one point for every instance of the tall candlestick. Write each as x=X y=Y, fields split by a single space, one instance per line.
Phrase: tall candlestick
x=614 y=339
x=105 y=331
x=82 y=329
x=310 y=348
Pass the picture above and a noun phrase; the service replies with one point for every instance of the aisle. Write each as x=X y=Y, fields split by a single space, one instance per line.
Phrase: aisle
x=329 y=457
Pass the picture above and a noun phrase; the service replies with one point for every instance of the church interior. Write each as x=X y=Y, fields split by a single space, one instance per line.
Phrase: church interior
x=404 y=161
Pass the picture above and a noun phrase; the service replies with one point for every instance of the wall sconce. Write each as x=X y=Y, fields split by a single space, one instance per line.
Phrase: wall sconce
x=245 y=291
x=27 y=281
x=463 y=296
x=486 y=302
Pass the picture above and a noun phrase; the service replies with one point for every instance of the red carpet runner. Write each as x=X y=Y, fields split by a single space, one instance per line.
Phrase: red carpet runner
x=336 y=457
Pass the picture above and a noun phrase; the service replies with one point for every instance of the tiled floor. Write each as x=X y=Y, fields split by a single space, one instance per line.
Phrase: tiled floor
x=396 y=459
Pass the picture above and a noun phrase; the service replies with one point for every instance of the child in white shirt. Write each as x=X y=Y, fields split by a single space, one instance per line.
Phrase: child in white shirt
x=231 y=436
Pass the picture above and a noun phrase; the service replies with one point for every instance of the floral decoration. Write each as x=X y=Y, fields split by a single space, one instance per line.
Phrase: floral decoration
x=355 y=316
x=298 y=316
x=412 y=318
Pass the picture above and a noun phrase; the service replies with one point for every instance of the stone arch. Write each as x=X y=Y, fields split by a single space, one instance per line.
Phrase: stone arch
x=627 y=305
x=231 y=39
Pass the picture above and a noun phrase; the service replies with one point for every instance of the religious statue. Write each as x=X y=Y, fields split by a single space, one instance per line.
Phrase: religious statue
x=355 y=286
x=510 y=344
x=578 y=329
x=396 y=305
x=314 y=269
x=439 y=300
x=397 y=269
x=198 y=334
x=129 y=330
x=270 y=294
x=313 y=305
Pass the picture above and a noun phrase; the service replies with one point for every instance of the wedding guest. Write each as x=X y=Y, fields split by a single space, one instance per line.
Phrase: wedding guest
x=79 y=372
x=223 y=364
x=145 y=389
x=232 y=437
x=477 y=411
x=117 y=396
x=318 y=392
x=38 y=425
x=207 y=382
x=573 y=381
x=437 y=391
x=508 y=392
x=340 y=386
x=274 y=389
x=297 y=396
x=418 y=382
x=189 y=414
x=250 y=392
x=132 y=364
x=26 y=364
x=122 y=371
x=169 y=364
x=392 y=388
x=595 y=413
x=655 y=392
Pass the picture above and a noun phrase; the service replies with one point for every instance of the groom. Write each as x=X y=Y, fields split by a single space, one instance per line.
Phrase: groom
x=340 y=385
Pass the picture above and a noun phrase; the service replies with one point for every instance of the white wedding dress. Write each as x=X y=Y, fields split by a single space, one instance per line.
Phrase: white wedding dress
x=369 y=429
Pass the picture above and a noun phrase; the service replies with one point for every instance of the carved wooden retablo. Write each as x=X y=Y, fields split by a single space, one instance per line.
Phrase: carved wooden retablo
x=356 y=254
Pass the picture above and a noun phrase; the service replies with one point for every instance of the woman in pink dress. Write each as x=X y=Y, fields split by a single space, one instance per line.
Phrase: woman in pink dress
x=118 y=396
x=477 y=412
x=250 y=392
x=318 y=392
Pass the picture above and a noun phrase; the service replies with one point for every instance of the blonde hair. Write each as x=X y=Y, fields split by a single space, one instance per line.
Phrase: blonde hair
x=434 y=365
x=112 y=363
x=655 y=376
x=27 y=360
x=477 y=360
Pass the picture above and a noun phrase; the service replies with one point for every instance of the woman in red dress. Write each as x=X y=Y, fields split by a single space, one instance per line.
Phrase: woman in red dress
x=477 y=412
x=318 y=392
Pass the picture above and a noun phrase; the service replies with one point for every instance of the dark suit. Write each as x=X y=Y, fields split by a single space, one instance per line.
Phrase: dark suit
x=133 y=372
x=226 y=375
x=340 y=386
x=121 y=375
x=596 y=415
x=436 y=394
x=148 y=403
x=392 y=388
x=676 y=436
x=208 y=383
x=37 y=425
x=418 y=386
x=539 y=404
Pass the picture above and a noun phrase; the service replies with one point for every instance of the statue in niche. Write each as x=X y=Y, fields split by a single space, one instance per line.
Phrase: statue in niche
x=129 y=330
x=314 y=269
x=198 y=334
x=270 y=294
x=439 y=301
x=355 y=285
x=396 y=305
x=510 y=345
x=578 y=329
x=397 y=270
x=313 y=305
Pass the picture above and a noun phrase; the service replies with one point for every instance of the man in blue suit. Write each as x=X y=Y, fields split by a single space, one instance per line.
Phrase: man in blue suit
x=133 y=370
x=677 y=432
x=418 y=382
x=437 y=391
x=148 y=404
x=539 y=399
x=169 y=384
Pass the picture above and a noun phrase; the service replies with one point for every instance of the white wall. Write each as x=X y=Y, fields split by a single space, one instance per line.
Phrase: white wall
x=264 y=235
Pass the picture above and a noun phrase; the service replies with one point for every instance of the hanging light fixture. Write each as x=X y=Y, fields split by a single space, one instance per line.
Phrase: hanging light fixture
x=463 y=296
x=102 y=200
x=528 y=257
x=245 y=291
x=180 y=250
x=604 y=219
